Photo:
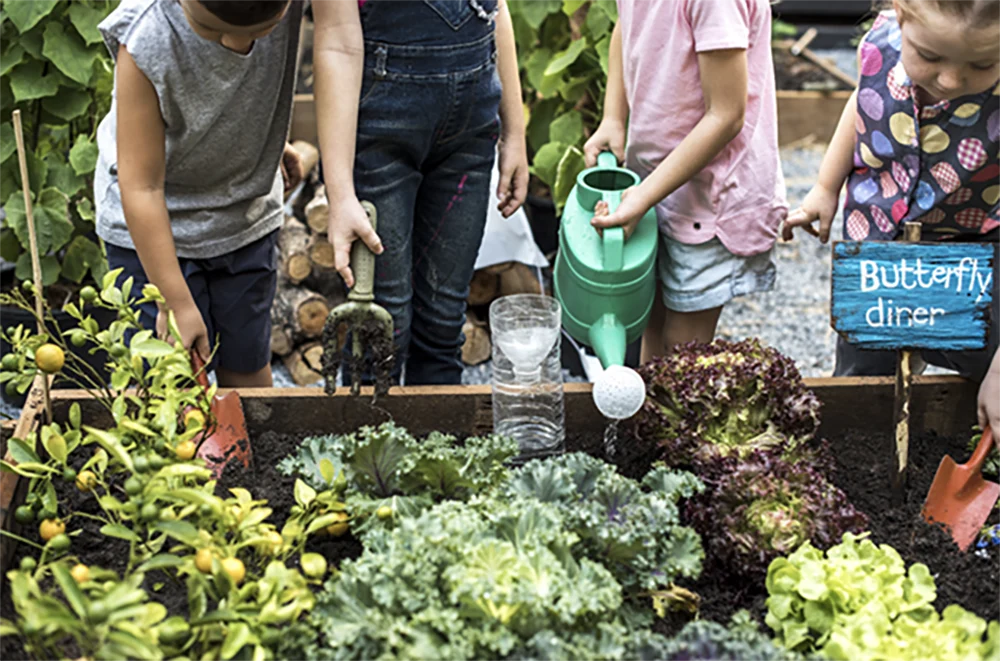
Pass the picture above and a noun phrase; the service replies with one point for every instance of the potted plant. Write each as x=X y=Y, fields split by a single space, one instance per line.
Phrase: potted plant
x=55 y=68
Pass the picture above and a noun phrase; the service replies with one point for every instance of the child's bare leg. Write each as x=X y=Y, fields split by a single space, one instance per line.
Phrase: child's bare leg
x=652 y=337
x=259 y=379
x=683 y=327
x=668 y=328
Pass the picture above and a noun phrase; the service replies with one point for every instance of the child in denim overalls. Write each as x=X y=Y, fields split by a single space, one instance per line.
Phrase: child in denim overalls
x=410 y=109
x=918 y=141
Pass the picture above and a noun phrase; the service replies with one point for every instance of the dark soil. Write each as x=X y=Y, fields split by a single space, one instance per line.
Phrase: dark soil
x=862 y=472
x=863 y=465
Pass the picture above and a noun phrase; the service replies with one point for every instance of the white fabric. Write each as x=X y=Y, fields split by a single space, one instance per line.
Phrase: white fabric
x=507 y=239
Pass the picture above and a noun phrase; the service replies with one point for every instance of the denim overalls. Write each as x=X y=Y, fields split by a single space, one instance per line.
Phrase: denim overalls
x=428 y=125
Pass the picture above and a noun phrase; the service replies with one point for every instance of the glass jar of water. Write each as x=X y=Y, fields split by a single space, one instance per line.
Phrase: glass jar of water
x=527 y=372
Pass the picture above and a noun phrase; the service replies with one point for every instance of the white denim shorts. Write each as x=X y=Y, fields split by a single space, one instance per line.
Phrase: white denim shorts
x=705 y=276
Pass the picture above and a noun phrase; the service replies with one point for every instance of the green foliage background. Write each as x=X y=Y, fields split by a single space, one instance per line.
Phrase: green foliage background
x=55 y=68
x=562 y=51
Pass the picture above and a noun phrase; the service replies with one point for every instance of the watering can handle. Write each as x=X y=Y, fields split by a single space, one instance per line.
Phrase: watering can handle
x=613 y=242
x=607 y=159
x=363 y=263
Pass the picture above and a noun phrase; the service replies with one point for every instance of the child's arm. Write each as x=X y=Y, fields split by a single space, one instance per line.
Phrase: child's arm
x=338 y=61
x=513 y=156
x=141 y=173
x=723 y=76
x=610 y=135
x=821 y=202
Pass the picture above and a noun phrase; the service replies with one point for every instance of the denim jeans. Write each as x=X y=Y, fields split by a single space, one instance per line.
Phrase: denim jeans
x=427 y=130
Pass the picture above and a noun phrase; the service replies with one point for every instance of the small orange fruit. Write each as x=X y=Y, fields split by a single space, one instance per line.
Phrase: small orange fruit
x=80 y=573
x=340 y=527
x=185 y=450
x=203 y=561
x=49 y=528
x=234 y=567
x=49 y=358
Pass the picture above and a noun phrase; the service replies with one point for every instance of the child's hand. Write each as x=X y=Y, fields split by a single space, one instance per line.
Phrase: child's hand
x=627 y=215
x=513 y=165
x=194 y=334
x=348 y=223
x=988 y=406
x=609 y=136
x=291 y=167
x=820 y=204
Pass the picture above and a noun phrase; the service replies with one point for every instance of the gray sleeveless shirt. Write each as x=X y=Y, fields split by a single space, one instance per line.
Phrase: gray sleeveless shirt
x=226 y=119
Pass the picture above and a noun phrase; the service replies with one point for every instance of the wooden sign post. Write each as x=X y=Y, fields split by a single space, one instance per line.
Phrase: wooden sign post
x=909 y=296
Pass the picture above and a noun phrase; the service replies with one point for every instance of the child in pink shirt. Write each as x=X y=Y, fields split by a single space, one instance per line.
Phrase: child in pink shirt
x=694 y=83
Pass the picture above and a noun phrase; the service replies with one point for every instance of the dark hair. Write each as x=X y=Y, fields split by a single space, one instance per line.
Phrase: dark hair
x=977 y=13
x=245 y=12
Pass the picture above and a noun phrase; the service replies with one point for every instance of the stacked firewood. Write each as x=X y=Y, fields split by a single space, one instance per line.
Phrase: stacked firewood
x=309 y=286
x=489 y=284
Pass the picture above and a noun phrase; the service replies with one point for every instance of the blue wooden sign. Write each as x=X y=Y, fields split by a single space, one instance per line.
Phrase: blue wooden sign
x=893 y=295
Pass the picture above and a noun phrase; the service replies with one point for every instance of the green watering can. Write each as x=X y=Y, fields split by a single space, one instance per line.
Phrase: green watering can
x=605 y=284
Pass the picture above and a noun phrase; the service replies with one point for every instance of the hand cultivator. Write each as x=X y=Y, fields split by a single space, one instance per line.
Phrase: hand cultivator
x=368 y=323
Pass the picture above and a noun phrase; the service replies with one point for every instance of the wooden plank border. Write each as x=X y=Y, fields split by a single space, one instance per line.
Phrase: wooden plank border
x=12 y=488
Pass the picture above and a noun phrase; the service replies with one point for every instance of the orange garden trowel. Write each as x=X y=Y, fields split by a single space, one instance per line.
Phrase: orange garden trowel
x=226 y=439
x=959 y=497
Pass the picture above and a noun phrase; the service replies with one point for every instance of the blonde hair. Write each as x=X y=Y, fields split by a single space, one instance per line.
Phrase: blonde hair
x=978 y=13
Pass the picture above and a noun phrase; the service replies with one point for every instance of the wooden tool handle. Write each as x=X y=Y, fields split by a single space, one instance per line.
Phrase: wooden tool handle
x=198 y=365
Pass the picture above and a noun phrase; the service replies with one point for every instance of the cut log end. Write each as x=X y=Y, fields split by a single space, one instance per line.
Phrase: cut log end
x=312 y=316
x=318 y=211
x=321 y=252
x=303 y=364
x=477 y=347
x=298 y=268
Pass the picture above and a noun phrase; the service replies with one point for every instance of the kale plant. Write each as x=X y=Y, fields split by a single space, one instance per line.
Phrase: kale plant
x=388 y=464
x=634 y=529
x=711 y=641
x=466 y=580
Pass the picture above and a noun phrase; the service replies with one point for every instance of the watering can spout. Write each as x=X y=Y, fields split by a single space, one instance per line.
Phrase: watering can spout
x=607 y=337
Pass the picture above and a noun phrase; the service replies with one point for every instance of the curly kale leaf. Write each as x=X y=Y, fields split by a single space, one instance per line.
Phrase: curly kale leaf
x=475 y=580
x=632 y=528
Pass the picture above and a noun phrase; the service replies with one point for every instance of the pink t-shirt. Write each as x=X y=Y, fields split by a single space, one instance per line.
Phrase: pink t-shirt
x=740 y=196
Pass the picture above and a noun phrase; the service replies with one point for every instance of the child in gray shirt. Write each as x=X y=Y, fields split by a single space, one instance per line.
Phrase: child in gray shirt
x=189 y=182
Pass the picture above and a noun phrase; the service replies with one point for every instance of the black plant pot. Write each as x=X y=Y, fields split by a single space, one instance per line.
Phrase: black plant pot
x=13 y=316
x=541 y=212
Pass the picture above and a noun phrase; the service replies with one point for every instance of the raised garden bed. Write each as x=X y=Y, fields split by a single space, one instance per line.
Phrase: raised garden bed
x=852 y=408
x=856 y=420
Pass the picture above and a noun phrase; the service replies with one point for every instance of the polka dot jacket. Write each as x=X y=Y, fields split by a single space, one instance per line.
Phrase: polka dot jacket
x=935 y=164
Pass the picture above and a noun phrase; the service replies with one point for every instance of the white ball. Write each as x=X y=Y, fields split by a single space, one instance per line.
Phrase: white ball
x=619 y=392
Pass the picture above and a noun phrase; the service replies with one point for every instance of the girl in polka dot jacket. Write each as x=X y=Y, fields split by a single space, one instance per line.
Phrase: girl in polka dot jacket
x=918 y=141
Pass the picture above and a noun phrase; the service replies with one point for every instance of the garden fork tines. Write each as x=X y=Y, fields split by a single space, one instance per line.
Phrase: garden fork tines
x=369 y=324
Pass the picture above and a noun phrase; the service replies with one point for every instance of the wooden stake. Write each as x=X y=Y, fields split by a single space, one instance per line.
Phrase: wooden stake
x=801 y=49
x=901 y=402
x=36 y=264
